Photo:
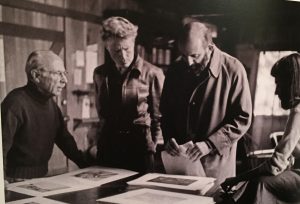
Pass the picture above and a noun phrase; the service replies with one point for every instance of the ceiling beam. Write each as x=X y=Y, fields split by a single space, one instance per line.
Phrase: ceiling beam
x=23 y=31
x=51 y=10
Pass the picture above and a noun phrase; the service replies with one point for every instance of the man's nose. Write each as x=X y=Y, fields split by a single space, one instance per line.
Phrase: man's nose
x=64 y=78
x=190 y=61
x=122 y=53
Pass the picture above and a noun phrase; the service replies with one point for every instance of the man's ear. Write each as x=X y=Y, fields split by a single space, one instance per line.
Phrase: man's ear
x=35 y=76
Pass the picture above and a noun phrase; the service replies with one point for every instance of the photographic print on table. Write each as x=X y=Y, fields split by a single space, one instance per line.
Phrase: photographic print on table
x=174 y=181
x=95 y=175
x=150 y=196
x=31 y=203
x=36 y=200
x=43 y=186
x=193 y=183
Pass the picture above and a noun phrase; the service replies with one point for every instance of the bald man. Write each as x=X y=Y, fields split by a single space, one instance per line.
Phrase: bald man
x=206 y=100
x=32 y=122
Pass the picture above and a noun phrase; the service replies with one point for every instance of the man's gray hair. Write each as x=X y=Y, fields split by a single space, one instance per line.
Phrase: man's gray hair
x=118 y=27
x=38 y=60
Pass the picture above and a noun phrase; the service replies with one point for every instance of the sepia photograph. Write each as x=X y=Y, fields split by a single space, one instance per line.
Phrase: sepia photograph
x=95 y=176
x=174 y=181
x=195 y=184
x=149 y=196
x=184 y=95
x=39 y=187
x=36 y=200
x=42 y=187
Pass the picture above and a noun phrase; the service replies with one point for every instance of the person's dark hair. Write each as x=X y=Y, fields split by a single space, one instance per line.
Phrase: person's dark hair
x=287 y=69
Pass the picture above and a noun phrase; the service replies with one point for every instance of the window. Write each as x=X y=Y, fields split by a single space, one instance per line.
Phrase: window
x=266 y=102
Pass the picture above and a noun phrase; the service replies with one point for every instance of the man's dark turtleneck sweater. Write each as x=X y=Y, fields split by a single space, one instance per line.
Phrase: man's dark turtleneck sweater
x=31 y=124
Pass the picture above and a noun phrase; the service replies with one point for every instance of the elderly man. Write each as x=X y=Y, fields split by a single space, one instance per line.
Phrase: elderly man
x=206 y=100
x=32 y=122
x=128 y=91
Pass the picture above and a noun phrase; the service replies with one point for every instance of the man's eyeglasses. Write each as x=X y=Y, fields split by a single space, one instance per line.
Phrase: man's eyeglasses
x=56 y=73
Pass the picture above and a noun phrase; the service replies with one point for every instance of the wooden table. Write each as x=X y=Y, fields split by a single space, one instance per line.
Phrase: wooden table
x=13 y=196
x=89 y=196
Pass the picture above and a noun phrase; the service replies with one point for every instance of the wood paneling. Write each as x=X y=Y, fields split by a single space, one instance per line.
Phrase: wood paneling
x=51 y=10
x=29 y=32
x=59 y=3
x=16 y=51
x=97 y=7
x=2 y=71
x=32 y=19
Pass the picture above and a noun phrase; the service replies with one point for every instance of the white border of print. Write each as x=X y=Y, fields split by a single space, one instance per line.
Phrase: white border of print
x=133 y=197
x=120 y=174
x=71 y=182
x=36 y=200
x=201 y=184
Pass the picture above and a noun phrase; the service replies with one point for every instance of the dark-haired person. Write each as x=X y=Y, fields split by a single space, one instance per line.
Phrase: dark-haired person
x=128 y=91
x=278 y=179
x=32 y=122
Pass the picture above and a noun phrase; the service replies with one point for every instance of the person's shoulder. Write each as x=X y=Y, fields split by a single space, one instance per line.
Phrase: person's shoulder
x=230 y=66
x=100 y=73
x=151 y=68
x=100 y=69
x=14 y=100
x=15 y=96
x=232 y=63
